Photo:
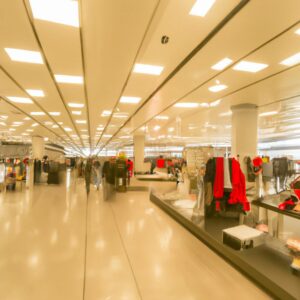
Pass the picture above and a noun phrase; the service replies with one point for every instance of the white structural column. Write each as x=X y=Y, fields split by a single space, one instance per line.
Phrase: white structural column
x=38 y=147
x=244 y=131
x=139 y=153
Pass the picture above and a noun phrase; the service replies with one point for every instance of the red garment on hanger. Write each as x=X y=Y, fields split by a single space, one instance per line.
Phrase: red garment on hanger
x=238 y=194
x=219 y=181
x=160 y=163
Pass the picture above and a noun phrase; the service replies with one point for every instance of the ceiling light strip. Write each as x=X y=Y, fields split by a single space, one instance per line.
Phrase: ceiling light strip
x=201 y=45
x=29 y=96
x=37 y=121
x=83 y=63
x=47 y=64
x=224 y=70
x=130 y=72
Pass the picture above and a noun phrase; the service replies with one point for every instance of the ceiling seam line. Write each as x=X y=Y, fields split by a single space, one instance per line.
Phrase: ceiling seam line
x=83 y=62
x=47 y=64
x=33 y=99
x=221 y=72
x=201 y=45
x=37 y=121
x=131 y=68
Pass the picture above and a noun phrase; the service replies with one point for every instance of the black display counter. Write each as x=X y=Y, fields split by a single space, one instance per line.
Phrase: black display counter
x=265 y=265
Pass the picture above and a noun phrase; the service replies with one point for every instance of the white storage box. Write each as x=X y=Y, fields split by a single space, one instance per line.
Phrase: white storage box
x=242 y=237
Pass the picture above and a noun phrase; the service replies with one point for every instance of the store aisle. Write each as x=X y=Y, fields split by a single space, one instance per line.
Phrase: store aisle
x=134 y=251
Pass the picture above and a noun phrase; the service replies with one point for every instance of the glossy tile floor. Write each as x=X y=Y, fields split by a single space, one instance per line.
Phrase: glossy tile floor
x=133 y=250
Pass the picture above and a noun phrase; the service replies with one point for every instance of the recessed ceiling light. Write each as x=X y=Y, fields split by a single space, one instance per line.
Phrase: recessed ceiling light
x=36 y=93
x=226 y=114
x=18 y=123
x=27 y=119
x=80 y=121
x=60 y=123
x=37 y=113
x=186 y=104
x=147 y=69
x=217 y=88
x=249 y=66
x=222 y=64
x=15 y=125
x=57 y=11
x=54 y=113
x=292 y=60
x=46 y=139
x=76 y=112
x=12 y=129
x=106 y=113
x=204 y=104
x=156 y=128
x=215 y=103
x=67 y=129
x=268 y=113
x=25 y=133
x=120 y=115
x=34 y=125
x=201 y=7
x=76 y=105
x=84 y=130
x=29 y=130
x=22 y=100
x=171 y=129
x=3 y=124
x=161 y=118
x=55 y=126
x=68 y=79
x=27 y=56
x=130 y=100
x=3 y=117
x=107 y=135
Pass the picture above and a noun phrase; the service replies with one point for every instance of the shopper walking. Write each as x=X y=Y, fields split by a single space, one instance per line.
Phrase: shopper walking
x=87 y=175
x=97 y=174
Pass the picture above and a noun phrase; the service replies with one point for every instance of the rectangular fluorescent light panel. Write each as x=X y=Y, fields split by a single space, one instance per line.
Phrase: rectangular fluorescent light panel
x=22 y=100
x=54 y=113
x=201 y=7
x=217 y=88
x=76 y=105
x=222 y=64
x=27 y=56
x=55 y=126
x=106 y=113
x=107 y=135
x=215 y=103
x=81 y=121
x=186 y=105
x=161 y=118
x=34 y=125
x=268 y=113
x=57 y=11
x=67 y=129
x=248 y=66
x=147 y=69
x=292 y=60
x=27 y=119
x=156 y=128
x=37 y=113
x=76 y=112
x=68 y=79
x=18 y=123
x=36 y=93
x=130 y=100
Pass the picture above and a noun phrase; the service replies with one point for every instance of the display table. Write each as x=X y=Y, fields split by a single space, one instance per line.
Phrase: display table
x=268 y=265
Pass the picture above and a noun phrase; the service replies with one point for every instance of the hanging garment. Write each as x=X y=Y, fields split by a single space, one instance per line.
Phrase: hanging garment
x=160 y=163
x=250 y=171
x=227 y=177
x=219 y=181
x=238 y=194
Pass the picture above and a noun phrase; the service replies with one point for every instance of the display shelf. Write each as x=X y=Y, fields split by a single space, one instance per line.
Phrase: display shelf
x=271 y=203
x=269 y=268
